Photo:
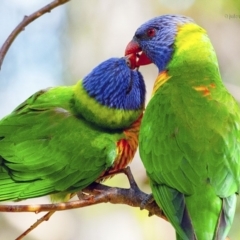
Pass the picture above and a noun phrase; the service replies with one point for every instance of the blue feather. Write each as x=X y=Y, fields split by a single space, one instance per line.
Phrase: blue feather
x=115 y=85
x=162 y=44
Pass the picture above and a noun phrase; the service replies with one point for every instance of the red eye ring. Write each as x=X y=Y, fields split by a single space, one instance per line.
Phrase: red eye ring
x=151 y=32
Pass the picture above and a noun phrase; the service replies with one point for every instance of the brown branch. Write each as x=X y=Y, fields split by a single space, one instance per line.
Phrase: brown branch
x=38 y=222
x=91 y=191
x=26 y=20
x=94 y=194
x=97 y=193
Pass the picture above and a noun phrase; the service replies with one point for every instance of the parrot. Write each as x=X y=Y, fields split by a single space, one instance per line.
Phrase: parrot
x=189 y=139
x=62 y=139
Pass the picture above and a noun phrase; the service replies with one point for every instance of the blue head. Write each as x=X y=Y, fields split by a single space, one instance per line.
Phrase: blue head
x=155 y=39
x=113 y=84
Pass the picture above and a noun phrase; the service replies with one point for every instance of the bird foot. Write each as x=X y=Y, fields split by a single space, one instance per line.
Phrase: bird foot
x=84 y=196
x=132 y=182
x=126 y=171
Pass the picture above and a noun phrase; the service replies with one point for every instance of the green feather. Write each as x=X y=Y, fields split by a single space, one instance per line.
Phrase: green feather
x=49 y=146
x=190 y=141
x=46 y=148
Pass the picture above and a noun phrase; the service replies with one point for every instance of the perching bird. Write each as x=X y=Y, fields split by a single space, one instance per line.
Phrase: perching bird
x=190 y=134
x=62 y=139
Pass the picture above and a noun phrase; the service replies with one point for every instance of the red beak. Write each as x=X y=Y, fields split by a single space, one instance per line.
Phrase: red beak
x=135 y=55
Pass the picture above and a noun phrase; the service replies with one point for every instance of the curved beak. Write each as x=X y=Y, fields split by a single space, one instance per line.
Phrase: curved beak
x=135 y=55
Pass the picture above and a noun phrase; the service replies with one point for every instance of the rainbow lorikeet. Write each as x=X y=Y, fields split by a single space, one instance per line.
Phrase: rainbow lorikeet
x=190 y=134
x=62 y=139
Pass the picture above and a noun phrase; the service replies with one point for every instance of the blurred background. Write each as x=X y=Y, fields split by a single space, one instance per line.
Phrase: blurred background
x=61 y=47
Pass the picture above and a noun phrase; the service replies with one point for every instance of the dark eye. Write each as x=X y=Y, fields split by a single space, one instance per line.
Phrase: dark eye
x=151 y=32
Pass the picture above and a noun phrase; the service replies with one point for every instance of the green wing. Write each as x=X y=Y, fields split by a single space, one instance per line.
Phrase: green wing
x=191 y=155
x=45 y=148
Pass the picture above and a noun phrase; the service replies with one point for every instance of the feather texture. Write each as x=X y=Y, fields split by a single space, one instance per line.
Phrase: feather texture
x=49 y=145
x=190 y=133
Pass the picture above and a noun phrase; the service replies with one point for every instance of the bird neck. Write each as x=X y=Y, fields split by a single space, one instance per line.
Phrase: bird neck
x=193 y=66
x=102 y=115
x=194 y=56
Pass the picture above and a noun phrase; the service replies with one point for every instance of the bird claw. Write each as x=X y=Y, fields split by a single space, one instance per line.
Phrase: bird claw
x=126 y=171
x=132 y=182
x=84 y=196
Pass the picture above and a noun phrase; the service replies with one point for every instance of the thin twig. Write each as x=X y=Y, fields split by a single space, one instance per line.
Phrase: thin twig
x=26 y=20
x=47 y=216
x=38 y=222
x=97 y=193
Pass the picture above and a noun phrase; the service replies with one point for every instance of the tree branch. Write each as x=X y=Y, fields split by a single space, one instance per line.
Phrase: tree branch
x=26 y=20
x=38 y=222
x=94 y=194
